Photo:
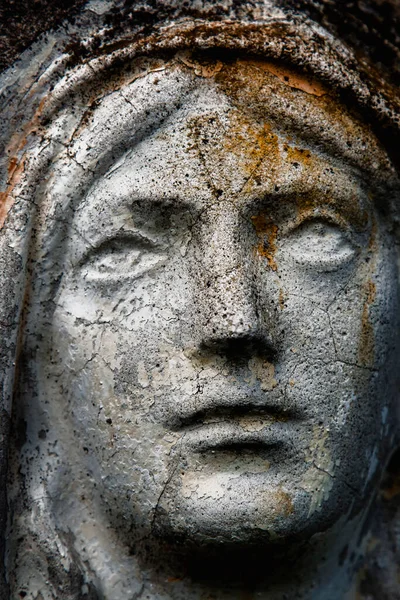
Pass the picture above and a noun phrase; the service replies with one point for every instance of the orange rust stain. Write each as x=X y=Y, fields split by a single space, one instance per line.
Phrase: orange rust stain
x=298 y=155
x=267 y=233
x=291 y=77
x=251 y=143
x=7 y=200
x=244 y=140
x=20 y=139
x=12 y=165
x=259 y=152
x=16 y=164
x=250 y=86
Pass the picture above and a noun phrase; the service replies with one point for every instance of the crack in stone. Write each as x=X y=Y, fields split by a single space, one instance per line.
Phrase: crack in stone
x=170 y=477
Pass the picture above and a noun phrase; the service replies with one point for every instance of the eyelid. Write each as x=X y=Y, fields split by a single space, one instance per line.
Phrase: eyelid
x=325 y=253
x=118 y=236
x=330 y=216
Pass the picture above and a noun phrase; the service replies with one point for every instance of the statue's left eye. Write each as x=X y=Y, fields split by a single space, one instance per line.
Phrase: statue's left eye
x=320 y=243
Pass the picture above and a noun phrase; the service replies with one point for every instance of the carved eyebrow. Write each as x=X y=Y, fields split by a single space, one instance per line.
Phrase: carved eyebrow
x=354 y=209
x=132 y=220
x=171 y=204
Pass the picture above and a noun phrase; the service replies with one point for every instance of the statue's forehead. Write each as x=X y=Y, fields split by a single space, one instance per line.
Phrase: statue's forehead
x=210 y=148
x=213 y=146
x=212 y=153
x=235 y=131
x=239 y=95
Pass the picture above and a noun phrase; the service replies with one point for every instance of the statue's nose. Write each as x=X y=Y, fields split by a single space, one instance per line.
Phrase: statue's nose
x=228 y=302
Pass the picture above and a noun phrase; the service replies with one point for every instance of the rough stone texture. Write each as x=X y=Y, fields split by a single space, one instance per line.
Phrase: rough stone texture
x=200 y=307
x=23 y=21
x=371 y=27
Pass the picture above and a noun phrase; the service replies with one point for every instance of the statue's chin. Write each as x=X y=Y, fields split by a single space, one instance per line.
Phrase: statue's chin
x=228 y=543
x=251 y=513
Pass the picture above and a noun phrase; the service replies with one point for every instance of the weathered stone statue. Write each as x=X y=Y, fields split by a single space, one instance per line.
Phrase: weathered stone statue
x=199 y=310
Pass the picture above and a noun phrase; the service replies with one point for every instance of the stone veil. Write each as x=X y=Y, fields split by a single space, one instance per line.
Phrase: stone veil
x=212 y=115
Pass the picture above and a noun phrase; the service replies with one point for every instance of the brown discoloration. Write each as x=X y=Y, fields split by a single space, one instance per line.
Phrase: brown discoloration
x=251 y=143
x=367 y=345
x=293 y=78
x=16 y=169
x=16 y=162
x=249 y=83
x=263 y=372
x=344 y=209
x=202 y=68
x=298 y=155
x=267 y=233
x=285 y=504
x=391 y=489
x=282 y=298
x=366 y=349
x=246 y=141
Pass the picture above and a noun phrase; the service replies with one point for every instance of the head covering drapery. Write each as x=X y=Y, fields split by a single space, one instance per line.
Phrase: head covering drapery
x=82 y=59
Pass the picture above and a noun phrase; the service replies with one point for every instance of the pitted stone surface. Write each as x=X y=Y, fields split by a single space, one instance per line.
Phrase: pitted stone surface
x=204 y=251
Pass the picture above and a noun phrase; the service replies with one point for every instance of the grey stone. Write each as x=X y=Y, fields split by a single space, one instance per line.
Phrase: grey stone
x=200 y=309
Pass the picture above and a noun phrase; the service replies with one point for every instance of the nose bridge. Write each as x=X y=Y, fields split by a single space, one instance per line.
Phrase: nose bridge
x=226 y=304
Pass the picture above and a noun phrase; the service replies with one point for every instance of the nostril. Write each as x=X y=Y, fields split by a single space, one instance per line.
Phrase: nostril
x=240 y=348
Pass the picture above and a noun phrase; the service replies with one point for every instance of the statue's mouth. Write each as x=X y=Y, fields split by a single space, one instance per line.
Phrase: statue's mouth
x=247 y=427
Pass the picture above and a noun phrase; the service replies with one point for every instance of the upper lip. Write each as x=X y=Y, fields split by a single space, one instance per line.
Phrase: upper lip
x=246 y=424
x=216 y=411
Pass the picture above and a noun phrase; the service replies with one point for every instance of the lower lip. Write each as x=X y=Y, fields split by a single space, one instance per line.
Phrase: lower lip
x=224 y=435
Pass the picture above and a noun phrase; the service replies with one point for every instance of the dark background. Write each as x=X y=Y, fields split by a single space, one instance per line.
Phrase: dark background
x=22 y=21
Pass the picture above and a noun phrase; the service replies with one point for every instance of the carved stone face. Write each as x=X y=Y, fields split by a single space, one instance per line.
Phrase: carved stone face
x=223 y=345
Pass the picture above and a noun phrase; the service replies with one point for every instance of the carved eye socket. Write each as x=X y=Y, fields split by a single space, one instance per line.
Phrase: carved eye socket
x=320 y=243
x=127 y=255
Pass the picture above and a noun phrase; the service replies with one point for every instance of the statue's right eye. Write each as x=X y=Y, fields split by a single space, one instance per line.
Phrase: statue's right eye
x=126 y=255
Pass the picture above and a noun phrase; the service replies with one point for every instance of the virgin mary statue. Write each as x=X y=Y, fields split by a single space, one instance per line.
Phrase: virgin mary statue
x=199 y=304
